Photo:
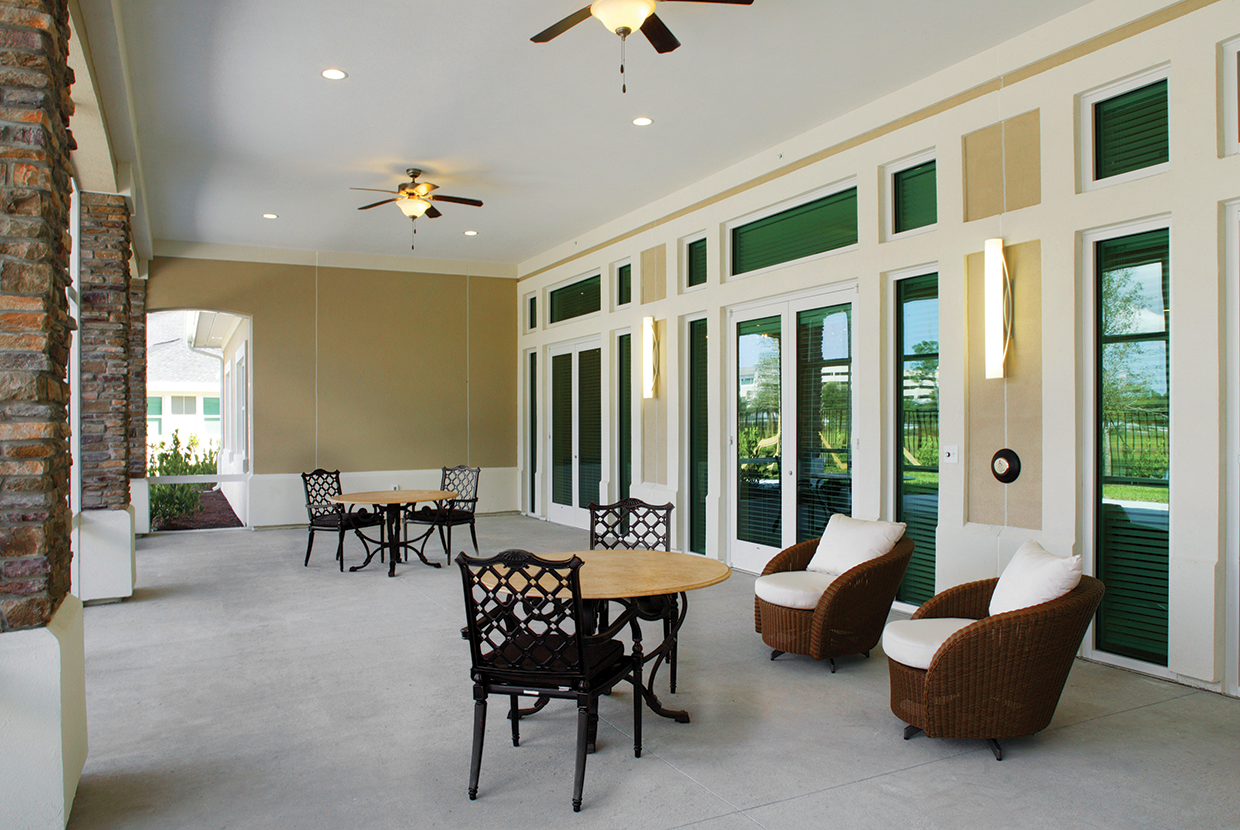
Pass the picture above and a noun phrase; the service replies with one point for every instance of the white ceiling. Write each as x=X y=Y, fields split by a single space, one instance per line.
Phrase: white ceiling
x=233 y=119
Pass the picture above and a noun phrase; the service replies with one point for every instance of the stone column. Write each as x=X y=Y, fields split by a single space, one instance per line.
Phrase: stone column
x=43 y=696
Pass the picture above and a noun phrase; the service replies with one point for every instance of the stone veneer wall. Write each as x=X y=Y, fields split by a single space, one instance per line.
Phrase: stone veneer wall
x=137 y=379
x=106 y=396
x=35 y=325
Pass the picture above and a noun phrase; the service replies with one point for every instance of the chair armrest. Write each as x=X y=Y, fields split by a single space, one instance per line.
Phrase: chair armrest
x=968 y=601
x=794 y=558
x=328 y=505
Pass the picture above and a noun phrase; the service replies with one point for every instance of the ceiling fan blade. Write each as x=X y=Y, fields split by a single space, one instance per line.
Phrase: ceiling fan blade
x=425 y=187
x=376 y=204
x=374 y=190
x=563 y=26
x=660 y=37
x=457 y=200
x=431 y=213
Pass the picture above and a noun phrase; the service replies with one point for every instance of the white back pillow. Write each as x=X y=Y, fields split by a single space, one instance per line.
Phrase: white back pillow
x=1034 y=576
x=847 y=542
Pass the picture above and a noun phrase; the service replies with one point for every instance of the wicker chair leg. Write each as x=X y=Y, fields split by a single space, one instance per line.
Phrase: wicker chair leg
x=995 y=748
x=475 y=761
x=866 y=653
x=831 y=660
x=775 y=653
x=910 y=731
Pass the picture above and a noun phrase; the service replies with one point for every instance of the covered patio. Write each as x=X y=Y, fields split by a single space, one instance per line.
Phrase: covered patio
x=240 y=689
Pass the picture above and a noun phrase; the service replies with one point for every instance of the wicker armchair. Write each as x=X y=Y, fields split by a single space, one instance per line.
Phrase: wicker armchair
x=1000 y=677
x=850 y=616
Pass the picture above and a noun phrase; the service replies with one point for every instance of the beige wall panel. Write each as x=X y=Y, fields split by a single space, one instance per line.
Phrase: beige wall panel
x=1022 y=160
x=654 y=420
x=493 y=393
x=1024 y=385
x=392 y=370
x=985 y=495
x=983 y=173
x=280 y=299
x=654 y=274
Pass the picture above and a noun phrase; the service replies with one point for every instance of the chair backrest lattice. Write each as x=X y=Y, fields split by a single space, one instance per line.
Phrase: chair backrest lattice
x=524 y=617
x=631 y=523
x=463 y=481
x=320 y=486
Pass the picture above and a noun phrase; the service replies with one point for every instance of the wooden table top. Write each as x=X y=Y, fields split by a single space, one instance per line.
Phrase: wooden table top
x=393 y=497
x=621 y=574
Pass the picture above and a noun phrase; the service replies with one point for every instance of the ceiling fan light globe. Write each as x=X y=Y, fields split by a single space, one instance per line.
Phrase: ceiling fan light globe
x=413 y=208
x=622 y=14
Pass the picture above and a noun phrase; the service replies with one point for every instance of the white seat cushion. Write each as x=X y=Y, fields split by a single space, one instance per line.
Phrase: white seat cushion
x=914 y=642
x=793 y=589
x=1033 y=577
x=847 y=542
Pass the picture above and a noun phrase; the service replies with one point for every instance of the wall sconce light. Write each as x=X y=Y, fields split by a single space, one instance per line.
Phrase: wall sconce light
x=998 y=306
x=650 y=358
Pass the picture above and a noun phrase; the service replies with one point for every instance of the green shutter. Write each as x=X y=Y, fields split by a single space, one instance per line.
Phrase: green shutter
x=695 y=264
x=1133 y=441
x=533 y=434
x=589 y=426
x=917 y=422
x=575 y=300
x=211 y=406
x=699 y=433
x=824 y=417
x=154 y=406
x=821 y=225
x=1131 y=131
x=624 y=412
x=624 y=285
x=914 y=197
x=562 y=429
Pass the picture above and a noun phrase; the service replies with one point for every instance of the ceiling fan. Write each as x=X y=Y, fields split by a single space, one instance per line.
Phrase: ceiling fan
x=414 y=198
x=624 y=17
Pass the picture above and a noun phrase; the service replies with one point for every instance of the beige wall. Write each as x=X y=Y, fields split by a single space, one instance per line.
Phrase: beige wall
x=407 y=371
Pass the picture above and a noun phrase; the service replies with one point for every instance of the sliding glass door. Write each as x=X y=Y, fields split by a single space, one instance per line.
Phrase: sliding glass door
x=792 y=424
x=575 y=437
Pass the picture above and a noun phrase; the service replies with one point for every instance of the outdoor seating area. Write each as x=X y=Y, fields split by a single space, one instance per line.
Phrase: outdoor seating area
x=240 y=689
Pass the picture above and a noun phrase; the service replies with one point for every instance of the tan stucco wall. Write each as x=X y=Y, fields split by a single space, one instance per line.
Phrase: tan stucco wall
x=362 y=369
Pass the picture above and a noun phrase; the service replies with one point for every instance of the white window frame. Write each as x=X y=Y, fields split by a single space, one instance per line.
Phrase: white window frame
x=615 y=285
x=1229 y=80
x=889 y=193
x=1231 y=233
x=545 y=312
x=1089 y=418
x=828 y=190
x=74 y=294
x=683 y=261
x=1086 y=163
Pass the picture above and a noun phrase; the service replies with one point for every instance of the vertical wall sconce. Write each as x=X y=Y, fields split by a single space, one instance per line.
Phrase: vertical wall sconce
x=998 y=308
x=650 y=358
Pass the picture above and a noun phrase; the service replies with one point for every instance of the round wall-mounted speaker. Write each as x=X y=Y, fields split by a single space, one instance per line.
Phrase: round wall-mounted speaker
x=1005 y=464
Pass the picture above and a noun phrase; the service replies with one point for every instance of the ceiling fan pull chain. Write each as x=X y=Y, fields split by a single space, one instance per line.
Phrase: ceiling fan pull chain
x=623 y=86
x=413 y=236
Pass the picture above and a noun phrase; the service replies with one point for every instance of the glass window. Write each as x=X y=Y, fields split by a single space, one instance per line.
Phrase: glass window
x=154 y=406
x=914 y=198
x=533 y=313
x=695 y=263
x=812 y=228
x=624 y=285
x=824 y=417
x=624 y=413
x=699 y=435
x=575 y=300
x=184 y=405
x=759 y=494
x=1131 y=131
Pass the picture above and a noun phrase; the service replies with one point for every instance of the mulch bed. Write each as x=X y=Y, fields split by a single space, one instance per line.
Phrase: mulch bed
x=215 y=513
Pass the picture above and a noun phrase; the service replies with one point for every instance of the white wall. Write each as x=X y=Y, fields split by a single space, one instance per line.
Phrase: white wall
x=1191 y=191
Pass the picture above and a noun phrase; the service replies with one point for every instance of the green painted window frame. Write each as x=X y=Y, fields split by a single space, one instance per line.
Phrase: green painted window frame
x=914 y=197
x=1131 y=130
x=576 y=300
x=824 y=224
x=695 y=263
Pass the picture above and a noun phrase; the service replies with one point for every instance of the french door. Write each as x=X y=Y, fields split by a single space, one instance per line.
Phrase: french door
x=575 y=435
x=791 y=423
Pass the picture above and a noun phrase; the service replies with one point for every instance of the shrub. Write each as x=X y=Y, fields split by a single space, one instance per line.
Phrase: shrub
x=171 y=501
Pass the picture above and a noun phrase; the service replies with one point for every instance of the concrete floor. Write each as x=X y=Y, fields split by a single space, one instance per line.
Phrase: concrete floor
x=238 y=689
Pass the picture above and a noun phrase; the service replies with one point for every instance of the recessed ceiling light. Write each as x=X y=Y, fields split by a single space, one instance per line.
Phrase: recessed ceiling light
x=643 y=121
x=471 y=233
x=335 y=74
x=271 y=216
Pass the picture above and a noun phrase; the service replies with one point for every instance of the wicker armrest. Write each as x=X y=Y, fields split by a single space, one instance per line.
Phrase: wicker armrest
x=794 y=558
x=969 y=601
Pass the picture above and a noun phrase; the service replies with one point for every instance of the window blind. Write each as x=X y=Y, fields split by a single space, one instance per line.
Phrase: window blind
x=624 y=285
x=821 y=225
x=914 y=198
x=1131 y=131
x=624 y=412
x=824 y=417
x=574 y=300
x=699 y=432
x=589 y=426
x=533 y=426
x=562 y=429
x=759 y=513
x=695 y=264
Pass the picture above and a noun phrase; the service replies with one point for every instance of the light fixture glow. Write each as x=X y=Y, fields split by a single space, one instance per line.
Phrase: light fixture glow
x=643 y=121
x=650 y=358
x=471 y=233
x=413 y=208
x=271 y=216
x=618 y=15
x=335 y=74
x=998 y=308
